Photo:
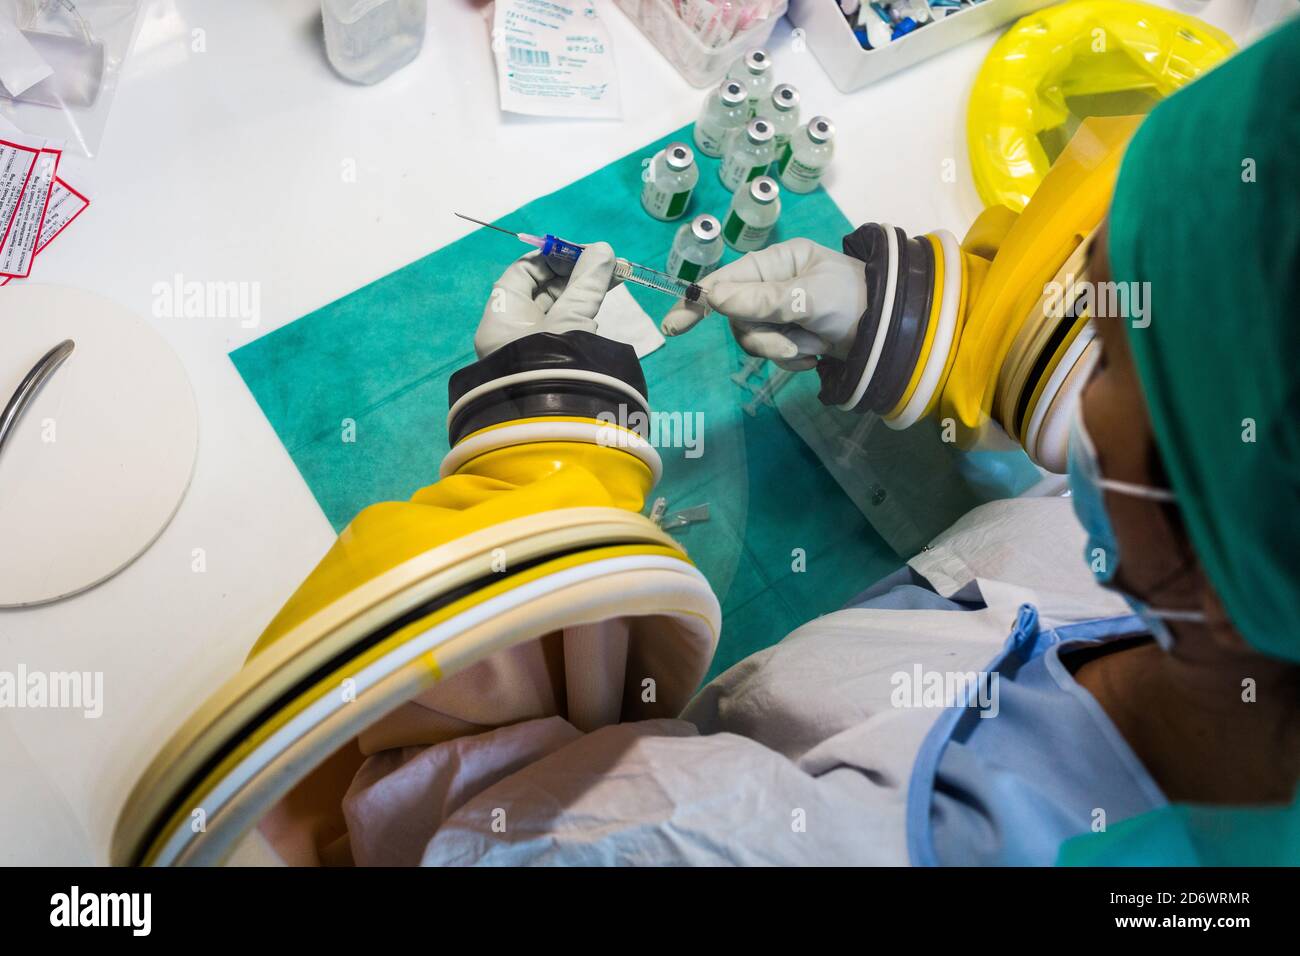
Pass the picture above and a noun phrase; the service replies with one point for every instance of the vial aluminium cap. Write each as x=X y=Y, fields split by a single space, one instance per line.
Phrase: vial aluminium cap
x=785 y=97
x=757 y=62
x=679 y=156
x=820 y=129
x=705 y=228
x=759 y=131
x=733 y=92
x=764 y=189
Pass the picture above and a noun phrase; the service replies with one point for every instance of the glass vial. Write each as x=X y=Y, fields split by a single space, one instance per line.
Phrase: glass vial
x=724 y=110
x=749 y=152
x=808 y=154
x=697 y=248
x=668 y=182
x=367 y=40
x=754 y=69
x=753 y=214
x=783 y=114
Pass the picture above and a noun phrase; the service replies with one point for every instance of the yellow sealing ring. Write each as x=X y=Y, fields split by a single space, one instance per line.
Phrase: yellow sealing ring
x=194 y=795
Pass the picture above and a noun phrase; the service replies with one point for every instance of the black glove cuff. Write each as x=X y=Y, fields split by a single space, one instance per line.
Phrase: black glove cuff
x=579 y=397
x=839 y=378
x=904 y=329
x=913 y=295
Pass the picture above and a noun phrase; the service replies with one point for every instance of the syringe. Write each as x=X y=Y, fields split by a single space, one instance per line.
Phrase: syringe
x=623 y=269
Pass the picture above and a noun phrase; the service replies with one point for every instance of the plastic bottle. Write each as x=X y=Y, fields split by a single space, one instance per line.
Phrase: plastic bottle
x=754 y=69
x=807 y=155
x=753 y=215
x=366 y=40
x=724 y=110
x=669 y=181
x=783 y=114
x=749 y=152
x=697 y=248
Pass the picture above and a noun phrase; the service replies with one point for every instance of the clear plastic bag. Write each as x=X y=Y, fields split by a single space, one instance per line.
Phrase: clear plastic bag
x=85 y=44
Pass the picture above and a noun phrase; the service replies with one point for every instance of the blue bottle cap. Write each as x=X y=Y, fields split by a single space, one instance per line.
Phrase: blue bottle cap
x=904 y=27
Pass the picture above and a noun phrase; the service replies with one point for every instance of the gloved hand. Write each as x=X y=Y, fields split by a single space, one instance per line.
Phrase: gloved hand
x=536 y=294
x=790 y=302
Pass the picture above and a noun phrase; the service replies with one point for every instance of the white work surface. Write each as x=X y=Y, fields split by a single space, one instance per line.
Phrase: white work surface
x=228 y=165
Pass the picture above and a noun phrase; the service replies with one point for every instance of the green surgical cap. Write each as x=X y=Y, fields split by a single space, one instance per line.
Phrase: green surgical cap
x=1207 y=210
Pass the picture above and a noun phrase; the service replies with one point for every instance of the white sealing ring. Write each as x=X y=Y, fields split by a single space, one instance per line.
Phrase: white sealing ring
x=943 y=336
x=606 y=435
x=1053 y=387
x=882 y=327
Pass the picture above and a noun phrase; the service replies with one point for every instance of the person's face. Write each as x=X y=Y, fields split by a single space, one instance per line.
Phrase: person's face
x=1157 y=564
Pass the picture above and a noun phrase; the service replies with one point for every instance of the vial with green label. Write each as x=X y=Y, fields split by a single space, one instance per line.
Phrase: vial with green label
x=668 y=182
x=807 y=155
x=783 y=114
x=725 y=109
x=697 y=248
x=749 y=152
x=753 y=214
x=754 y=69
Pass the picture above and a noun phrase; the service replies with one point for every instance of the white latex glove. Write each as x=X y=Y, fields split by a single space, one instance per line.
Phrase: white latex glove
x=790 y=302
x=536 y=294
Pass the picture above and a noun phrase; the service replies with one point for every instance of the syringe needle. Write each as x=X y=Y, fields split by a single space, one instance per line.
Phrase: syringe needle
x=487 y=224
x=623 y=269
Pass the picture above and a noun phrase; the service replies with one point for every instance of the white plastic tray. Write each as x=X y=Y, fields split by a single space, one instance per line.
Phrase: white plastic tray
x=850 y=67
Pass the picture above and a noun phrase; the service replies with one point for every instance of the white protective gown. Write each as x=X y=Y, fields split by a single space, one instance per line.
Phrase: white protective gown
x=797 y=755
